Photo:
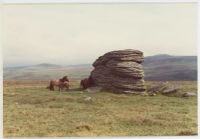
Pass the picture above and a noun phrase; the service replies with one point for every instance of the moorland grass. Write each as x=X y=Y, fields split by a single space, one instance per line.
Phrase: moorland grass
x=30 y=110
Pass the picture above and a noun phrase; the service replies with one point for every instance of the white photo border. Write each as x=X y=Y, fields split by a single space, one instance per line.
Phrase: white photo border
x=2 y=2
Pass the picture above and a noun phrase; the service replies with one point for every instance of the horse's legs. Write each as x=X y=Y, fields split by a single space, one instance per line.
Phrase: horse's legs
x=67 y=87
x=60 y=88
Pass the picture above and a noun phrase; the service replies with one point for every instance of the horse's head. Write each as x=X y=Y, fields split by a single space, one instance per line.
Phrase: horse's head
x=65 y=78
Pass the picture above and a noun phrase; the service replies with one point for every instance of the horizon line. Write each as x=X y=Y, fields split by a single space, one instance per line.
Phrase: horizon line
x=26 y=65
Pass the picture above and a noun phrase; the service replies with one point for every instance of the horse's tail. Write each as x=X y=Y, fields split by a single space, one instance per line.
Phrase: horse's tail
x=51 y=86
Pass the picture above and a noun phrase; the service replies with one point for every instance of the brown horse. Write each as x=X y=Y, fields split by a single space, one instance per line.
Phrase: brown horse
x=61 y=83
x=87 y=82
x=64 y=85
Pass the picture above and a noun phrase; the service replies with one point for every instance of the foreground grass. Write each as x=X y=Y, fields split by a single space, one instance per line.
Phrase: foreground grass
x=30 y=110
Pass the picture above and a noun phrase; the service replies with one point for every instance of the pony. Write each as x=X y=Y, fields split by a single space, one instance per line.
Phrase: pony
x=87 y=82
x=61 y=83
x=63 y=79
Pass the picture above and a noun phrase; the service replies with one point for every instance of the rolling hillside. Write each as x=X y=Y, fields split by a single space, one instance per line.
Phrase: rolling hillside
x=158 y=67
x=46 y=72
x=166 y=67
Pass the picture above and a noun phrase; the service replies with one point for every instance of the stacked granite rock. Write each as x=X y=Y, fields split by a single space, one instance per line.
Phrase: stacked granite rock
x=119 y=71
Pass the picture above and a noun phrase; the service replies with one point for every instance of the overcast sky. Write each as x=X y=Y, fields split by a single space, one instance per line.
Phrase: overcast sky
x=79 y=33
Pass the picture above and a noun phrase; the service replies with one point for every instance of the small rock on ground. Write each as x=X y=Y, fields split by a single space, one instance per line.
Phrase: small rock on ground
x=189 y=94
x=94 y=89
x=88 y=99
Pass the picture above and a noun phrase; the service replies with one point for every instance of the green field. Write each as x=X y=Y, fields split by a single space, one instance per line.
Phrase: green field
x=30 y=110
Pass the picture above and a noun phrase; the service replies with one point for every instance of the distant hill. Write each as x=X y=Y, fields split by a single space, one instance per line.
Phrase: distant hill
x=166 y=67
x=47 y=65
x=158 y=67
x=42 y=65
x=46 y=71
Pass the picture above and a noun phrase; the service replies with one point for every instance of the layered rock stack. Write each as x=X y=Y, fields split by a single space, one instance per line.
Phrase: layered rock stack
x=119 y=71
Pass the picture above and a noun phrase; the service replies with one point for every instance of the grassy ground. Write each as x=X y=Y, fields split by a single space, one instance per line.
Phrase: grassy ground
x=30 y=110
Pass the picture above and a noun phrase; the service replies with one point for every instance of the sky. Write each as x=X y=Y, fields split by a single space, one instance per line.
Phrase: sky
x=70 y=34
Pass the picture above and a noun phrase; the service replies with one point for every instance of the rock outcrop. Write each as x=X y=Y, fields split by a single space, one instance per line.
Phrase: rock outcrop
x=119 y=71
x=164 y=88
